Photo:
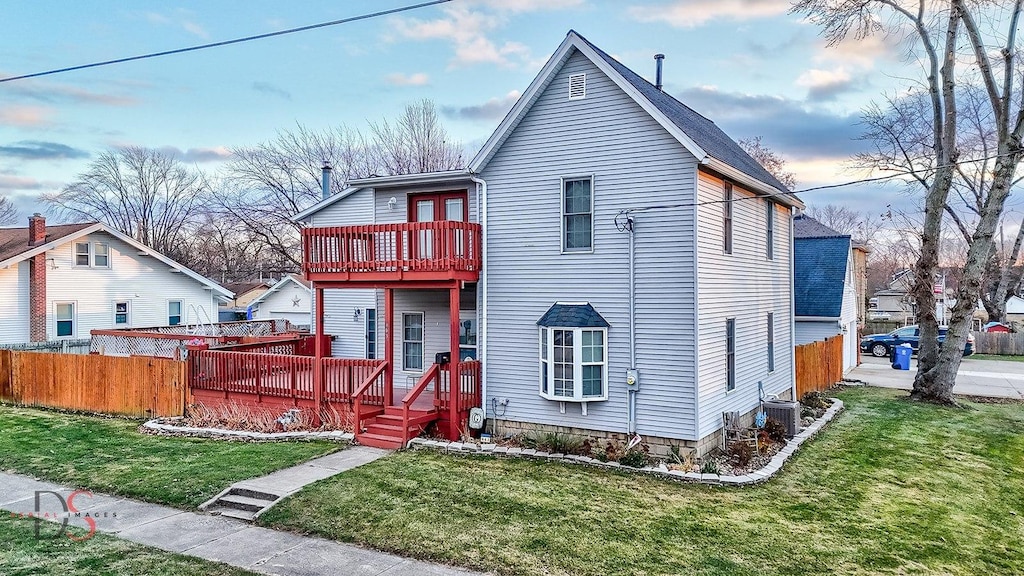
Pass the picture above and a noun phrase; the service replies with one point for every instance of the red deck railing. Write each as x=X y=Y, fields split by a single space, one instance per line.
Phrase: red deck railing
x=442 y=249
x=368 y=398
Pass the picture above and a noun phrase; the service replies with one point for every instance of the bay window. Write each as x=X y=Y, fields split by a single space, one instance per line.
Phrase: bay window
x=573 y=354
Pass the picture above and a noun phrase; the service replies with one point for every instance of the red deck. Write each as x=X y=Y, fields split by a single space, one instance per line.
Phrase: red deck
x=380 y=253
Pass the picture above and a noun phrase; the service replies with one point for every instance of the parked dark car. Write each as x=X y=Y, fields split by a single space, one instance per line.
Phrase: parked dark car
x=882 y=344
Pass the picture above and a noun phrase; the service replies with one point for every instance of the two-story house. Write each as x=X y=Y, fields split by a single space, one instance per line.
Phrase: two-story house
x=610 y=263
x=61 y=282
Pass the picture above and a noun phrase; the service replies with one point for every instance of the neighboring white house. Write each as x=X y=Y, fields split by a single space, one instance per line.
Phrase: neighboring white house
x=699 y=311
x=289 y=299
x=824 y=286
x=60 y=282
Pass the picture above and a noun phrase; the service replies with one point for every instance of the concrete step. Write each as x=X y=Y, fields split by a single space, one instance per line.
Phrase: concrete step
x=244 y=503
x=232 y=513
x=250 y=493
x=379 y=441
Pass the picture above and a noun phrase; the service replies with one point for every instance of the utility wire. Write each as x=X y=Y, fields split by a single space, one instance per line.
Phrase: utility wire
x=628 y=211
x=226 y=42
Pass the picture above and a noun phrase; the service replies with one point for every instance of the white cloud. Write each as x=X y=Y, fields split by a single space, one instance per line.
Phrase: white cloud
x=826 y=84
x=25 y=116
x=471 y=34
x=399 y=79
x=694 y=13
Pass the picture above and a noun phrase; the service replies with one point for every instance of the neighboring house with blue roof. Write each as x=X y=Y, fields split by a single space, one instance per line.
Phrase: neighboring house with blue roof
x=636 y=269
x=824 y=287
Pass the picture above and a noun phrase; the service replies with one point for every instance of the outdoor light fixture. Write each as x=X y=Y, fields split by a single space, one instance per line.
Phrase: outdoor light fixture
x=392 y=202
x=356 y=313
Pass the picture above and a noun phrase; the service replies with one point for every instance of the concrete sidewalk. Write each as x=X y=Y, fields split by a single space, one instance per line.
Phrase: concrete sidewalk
x=248 y=499
x=213 y=537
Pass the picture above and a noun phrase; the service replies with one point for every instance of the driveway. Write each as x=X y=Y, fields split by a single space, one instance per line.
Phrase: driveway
x=992 y=378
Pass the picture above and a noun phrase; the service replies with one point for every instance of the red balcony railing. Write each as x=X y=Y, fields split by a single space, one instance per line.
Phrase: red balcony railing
x=376 y=252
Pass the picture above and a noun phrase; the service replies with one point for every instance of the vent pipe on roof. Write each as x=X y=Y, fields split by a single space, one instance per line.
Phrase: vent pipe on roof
x=659 y=58
x=325 y=180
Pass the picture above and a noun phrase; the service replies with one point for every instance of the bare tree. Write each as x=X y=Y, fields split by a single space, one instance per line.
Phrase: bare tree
x=144 y=193
x=265 y=185
x=8 y=213
x=983 y=36
x=416 y=142
x=769 y=159
x=863 y=227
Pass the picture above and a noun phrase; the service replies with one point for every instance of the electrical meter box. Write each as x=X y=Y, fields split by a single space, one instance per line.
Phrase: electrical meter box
x=632 y=379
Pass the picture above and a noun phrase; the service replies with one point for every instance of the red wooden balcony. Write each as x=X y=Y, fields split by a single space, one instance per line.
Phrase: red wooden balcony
x=381 y=253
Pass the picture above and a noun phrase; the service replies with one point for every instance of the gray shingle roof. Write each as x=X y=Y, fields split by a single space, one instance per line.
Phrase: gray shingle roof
x=572 y=316
x=806 y=227
x=702 y=131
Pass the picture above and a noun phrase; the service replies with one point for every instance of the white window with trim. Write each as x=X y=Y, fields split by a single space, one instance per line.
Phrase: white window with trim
x=65 y=319
x=100 y=255
x=175 y=310
x=578 y=214
x=412 y=342
x=122 y=313
x=371 y=333
x=467 y=336
x=92 y=254
x=83 y=253
x=573 y=354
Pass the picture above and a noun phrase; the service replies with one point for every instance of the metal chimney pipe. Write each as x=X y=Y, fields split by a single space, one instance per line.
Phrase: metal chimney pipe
x=325 y=180
x=659 y=58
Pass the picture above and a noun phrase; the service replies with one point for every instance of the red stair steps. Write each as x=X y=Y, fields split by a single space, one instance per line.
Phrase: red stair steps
x=386 y=430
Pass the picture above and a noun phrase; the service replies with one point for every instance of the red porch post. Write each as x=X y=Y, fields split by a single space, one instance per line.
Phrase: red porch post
x=318 y=354
x=454 y=382
x=389 y=345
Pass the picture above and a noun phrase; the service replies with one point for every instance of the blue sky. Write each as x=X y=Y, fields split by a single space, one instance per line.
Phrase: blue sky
x=746 y=64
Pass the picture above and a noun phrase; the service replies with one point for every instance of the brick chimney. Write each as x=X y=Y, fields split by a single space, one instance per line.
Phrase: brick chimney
x=37 y=280
x=36 y=229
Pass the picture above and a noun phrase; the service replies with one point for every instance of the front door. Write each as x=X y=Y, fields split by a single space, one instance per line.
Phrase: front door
x=435 y=207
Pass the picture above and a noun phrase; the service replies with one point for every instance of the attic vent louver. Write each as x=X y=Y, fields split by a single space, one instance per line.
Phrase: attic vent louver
x=577 y=86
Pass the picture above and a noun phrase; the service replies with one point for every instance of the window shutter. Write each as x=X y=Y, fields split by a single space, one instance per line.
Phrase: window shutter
x=577 y=86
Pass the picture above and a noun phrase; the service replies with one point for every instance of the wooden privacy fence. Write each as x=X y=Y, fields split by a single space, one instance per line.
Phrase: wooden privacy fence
x=135 y=386
x=1002 y=343
x=819 y=365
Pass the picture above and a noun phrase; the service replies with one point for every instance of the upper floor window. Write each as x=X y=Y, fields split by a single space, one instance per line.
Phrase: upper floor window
x=577 y=214
x=770 y=216
x=83 y=254
x=96 y=254
x=771 y=342
x=727 y=218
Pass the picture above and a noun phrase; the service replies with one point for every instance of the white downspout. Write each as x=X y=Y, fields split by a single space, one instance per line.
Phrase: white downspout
x=481 y=203
x=792 y=312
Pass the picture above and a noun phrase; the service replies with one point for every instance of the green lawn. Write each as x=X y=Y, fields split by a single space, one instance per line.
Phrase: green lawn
x=22 y=554
x=110 y=455
x=995 y=357
x=891 y=487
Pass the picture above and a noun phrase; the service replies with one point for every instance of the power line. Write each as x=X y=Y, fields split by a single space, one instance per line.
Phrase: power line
x=898 y=174
x=226 y=42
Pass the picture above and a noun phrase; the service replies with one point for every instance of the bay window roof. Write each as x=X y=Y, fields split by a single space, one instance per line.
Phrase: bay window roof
x=572 y=315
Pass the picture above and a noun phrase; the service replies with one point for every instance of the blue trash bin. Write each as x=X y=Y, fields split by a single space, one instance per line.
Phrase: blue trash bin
x=901 y=359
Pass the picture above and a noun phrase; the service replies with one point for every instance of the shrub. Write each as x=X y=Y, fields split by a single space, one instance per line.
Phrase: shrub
x=611 y=452
x=710 y=467
x=816 y=400
x=637 y=457
x=776 y=430
x=740 y=453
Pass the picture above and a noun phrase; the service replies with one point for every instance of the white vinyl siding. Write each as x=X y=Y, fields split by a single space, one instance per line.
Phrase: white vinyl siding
x=143 y=281
x=14 y=305
x=635 y=163
x=291 y=301
x=744 y=286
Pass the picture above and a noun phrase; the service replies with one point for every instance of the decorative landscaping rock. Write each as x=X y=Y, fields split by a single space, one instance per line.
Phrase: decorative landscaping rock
x=770 y=469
